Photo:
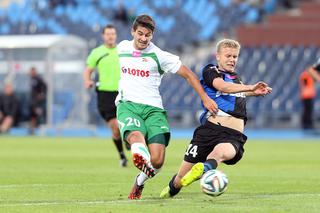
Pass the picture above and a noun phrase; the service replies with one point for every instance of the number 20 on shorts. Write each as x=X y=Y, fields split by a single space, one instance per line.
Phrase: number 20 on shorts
x=129 y=122
x=132 y=122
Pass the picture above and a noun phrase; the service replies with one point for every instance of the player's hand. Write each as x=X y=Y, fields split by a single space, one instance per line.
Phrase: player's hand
x=258 y=86
x=267 y=90
x=88 y=84
x=262 y=91
x=211 y=105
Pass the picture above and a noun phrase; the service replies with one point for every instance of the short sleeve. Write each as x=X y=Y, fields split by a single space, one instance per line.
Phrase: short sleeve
x=169 y=62
x=91 y=60
x=209 y=73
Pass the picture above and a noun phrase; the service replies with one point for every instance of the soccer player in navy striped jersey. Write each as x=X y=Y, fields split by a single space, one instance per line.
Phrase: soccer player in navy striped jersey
x=219 y=138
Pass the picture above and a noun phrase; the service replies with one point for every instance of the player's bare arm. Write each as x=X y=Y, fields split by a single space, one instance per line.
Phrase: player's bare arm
x=260 y=91
x=227 y=87
x=192 y=79
x=88 y=83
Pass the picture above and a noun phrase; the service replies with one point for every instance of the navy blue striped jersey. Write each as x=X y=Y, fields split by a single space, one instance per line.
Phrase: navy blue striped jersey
x=232 y=104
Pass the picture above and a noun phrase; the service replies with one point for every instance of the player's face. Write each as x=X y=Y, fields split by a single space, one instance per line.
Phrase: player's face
x=8 y=90
x=227 y=58
x=141 y=37
x=110 y=37
x=33 y=72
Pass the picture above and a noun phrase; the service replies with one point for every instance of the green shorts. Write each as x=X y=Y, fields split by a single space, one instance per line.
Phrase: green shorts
x=150 y=121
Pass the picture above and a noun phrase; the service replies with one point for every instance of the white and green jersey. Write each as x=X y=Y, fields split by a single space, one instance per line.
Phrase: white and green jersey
x=142 y=71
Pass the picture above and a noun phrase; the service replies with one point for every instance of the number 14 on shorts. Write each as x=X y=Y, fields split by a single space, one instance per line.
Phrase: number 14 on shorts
x=192 y=150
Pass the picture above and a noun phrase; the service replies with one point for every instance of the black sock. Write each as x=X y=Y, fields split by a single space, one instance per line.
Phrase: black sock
x=210 y=164
x=173 y=190
x=118 y=143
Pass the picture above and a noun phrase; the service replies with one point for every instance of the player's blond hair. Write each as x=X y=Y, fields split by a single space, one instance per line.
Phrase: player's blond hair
x=227 y=43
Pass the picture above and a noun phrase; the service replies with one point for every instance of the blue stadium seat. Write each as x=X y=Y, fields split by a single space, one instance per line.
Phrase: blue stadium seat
x=4 y=28
x=209 y=29
x=59 y=10
x=225 y=3
x=252 y=15
x=270 y=5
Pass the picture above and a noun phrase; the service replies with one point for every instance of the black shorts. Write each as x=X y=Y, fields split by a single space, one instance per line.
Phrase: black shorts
x=207 y=136
x=106 y=105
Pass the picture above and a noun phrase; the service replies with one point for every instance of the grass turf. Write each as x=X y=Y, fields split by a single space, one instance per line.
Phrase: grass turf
x=83 y=175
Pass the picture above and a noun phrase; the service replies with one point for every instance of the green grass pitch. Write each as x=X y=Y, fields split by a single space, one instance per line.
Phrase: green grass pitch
x=83 y=175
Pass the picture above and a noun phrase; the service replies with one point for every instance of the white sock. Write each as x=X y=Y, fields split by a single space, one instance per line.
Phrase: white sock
x=141 y=149
x=142 y=177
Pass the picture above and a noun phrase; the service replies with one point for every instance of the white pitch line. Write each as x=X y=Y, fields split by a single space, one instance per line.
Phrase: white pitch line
x=56 y=203
x=36 y=185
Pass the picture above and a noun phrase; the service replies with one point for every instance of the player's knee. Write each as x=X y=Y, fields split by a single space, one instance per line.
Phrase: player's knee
x=223 y=152
x=157 y=162
x=115 y=133
x=113 y=124
x=221 y=157
x=135 y=136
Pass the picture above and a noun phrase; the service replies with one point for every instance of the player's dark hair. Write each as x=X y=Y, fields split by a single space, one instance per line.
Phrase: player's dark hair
x=144 y=21
x=108 y=26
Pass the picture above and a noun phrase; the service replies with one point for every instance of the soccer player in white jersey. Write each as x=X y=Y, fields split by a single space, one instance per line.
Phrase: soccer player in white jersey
x=141 y=117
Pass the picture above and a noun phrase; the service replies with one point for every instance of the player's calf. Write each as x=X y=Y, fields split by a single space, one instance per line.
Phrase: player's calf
x=141 y=159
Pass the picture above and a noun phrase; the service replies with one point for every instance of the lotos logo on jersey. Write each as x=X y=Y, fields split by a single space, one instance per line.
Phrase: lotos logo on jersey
x=135 y=72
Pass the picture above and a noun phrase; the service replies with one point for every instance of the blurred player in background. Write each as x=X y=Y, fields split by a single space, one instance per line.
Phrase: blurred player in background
x=308 y=93
x=9 y=107
x=219 y=139
x=141 y=116
x=105 y=59
x=38 y=99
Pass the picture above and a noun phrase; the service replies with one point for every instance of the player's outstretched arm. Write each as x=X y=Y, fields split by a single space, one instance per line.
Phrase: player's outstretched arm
x=259 y=90
x=88 y=83
x=192 y=79
x=227 y=87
